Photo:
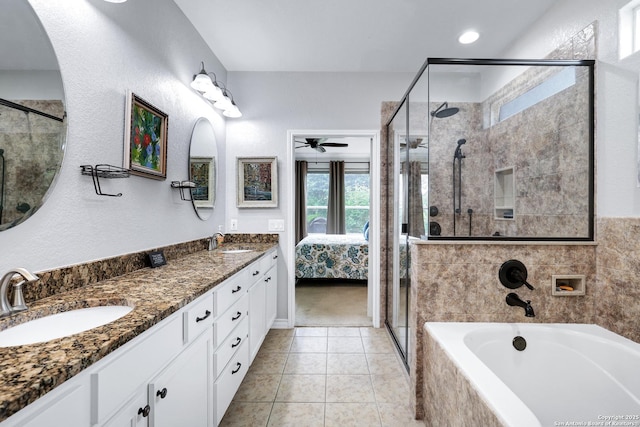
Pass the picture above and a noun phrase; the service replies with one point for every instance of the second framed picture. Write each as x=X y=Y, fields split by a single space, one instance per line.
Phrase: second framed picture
x=257 y=182
x=145 y=143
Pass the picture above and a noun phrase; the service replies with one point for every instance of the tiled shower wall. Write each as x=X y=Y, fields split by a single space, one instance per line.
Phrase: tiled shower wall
x=617 y=304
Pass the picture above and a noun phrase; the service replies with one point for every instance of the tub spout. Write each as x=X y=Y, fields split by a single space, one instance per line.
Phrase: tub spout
x=514 y=300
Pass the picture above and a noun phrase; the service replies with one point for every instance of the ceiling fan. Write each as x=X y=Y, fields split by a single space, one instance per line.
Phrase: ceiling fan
x=414 y=143
x=318 y=144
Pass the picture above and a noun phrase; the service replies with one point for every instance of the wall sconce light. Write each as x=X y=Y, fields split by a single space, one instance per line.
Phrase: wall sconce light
x=211 y=91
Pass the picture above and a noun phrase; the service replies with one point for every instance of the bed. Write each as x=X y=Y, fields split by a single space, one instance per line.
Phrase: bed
x=332 y=256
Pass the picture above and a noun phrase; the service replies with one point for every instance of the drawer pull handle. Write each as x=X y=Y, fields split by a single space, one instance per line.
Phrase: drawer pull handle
x=144 y=411
x=237 y=343
x=267 y=279
x=237 y=316
x=235 y=371
x=275 y=257
x=162 y=393
x=255 y=273
x=206 y=314
x=237 y=289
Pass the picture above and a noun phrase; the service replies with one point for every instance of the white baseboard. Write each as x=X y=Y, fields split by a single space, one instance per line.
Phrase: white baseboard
x=280 y=324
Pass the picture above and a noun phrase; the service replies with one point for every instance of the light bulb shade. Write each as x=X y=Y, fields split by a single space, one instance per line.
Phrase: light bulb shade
x=202 y=83
x=224 y=103
x=214 y=94
x=232 y=112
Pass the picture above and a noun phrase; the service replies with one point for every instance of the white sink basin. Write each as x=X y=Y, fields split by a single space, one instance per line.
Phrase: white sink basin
x=62 y=324
x=235 y=251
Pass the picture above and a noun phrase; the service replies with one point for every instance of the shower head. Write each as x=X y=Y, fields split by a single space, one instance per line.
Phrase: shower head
x=444 y=111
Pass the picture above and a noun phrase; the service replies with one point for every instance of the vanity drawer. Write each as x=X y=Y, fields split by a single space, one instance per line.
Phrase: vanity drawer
x=198 y=318
x=230 y=291
x=229 y=381
x=136 y=362
x=228 y=321
x=230 y=346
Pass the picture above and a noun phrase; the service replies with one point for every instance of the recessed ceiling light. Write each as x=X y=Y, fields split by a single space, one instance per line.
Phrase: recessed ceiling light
x=469 y=37
x=115 y=1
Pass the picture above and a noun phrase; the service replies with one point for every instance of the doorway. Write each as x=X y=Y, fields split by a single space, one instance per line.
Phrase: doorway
x=367 y=288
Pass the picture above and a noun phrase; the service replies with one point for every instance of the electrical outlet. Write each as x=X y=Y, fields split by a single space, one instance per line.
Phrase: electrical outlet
x=276 y=225
x=233 y=225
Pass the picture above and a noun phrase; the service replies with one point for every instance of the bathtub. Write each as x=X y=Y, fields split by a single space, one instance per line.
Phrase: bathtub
x=568 y=374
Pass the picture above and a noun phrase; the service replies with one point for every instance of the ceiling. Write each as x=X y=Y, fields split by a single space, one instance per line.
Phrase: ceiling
x=355 y=35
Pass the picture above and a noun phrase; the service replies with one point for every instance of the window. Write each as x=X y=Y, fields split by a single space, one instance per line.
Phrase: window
x=549 y=87
x=629 y=29
x=356 y=201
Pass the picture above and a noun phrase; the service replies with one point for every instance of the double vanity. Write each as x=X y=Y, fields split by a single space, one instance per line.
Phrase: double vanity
x=176 y=358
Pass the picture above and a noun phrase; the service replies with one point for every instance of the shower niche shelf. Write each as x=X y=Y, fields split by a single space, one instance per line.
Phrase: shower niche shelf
x=567 y=285
x=504 y=191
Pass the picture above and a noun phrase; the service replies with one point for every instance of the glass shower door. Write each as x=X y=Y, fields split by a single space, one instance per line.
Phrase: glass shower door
x=397 y=277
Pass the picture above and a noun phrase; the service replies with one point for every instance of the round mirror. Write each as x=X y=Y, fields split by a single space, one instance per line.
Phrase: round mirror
x=33 y=124
x=202 y=168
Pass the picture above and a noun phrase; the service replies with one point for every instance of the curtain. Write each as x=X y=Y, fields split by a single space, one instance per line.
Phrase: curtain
x=416 y=212
x=301 y=199
x=335 y=208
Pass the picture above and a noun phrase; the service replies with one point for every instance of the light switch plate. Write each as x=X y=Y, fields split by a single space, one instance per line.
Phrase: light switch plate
x=276 y=225
x=233 y=225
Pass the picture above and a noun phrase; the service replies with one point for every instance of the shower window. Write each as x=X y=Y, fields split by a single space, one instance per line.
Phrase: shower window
x=549 y=87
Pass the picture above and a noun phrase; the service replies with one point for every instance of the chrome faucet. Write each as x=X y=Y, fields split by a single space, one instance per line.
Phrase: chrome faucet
x=514 y=300
x=18 y=300
x=213 y=241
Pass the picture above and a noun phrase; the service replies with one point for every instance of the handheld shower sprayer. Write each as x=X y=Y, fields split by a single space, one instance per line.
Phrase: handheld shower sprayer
x=458 y=154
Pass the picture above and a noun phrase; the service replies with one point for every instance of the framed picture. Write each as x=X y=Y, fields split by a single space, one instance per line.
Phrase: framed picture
x=145 y=139
x=203 y=175
x=257 y=182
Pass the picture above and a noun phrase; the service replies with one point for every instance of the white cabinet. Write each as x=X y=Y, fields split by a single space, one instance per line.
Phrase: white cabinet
x=66 y=405
x=180 y=395
x=183 y=371
x=271 y=279
x=262 y=300
x=257 y=316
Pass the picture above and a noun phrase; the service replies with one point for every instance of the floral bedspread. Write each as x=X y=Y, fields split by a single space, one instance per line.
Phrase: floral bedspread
x=332 y=256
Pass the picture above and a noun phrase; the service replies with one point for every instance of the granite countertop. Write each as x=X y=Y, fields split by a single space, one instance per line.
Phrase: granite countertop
x=29 y=371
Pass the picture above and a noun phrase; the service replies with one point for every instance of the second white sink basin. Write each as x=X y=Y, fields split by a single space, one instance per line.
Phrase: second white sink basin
x=62 y=324
x=235 y=251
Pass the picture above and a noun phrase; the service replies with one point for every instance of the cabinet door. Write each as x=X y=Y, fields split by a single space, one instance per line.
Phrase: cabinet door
x=67 y=406
x=257 y=316
x=271 y=279
x=181 y=394
x=135 y=413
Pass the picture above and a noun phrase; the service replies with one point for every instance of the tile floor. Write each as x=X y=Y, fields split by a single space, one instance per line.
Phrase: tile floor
x=324 y=376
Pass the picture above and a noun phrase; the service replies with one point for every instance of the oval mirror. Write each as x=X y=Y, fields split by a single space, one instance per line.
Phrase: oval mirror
x=202 y=168
x=33 y=124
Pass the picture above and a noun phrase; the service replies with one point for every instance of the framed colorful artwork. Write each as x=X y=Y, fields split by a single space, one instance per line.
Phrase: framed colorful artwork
x=257 y=182
x=145 y=143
